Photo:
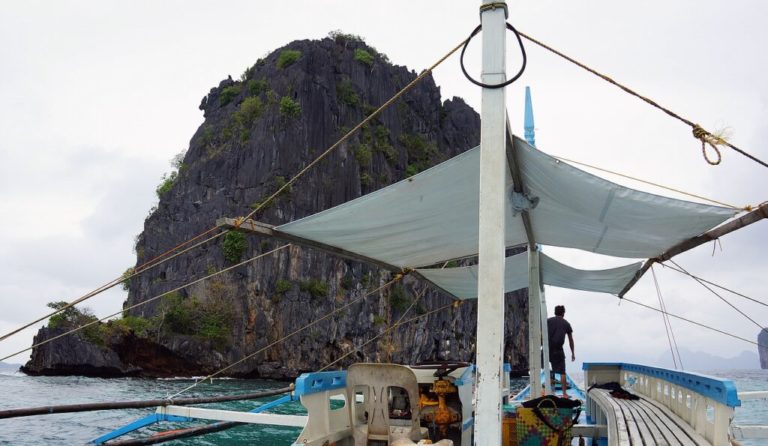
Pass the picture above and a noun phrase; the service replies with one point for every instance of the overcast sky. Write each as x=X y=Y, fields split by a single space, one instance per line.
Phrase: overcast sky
x=96 y=98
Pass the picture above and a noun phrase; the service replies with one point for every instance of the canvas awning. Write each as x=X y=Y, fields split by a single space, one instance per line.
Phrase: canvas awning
x=432 y=217
x=462 y=281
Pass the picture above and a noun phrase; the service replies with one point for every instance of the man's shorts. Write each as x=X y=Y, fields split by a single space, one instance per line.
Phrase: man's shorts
x=557 y=359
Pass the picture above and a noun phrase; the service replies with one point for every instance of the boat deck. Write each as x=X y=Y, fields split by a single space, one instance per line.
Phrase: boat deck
x=643 y=422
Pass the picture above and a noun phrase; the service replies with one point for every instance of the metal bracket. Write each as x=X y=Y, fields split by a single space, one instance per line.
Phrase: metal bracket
x=522 y=202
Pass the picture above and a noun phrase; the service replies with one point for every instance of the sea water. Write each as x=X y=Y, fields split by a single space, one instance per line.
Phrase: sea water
x=18 y=390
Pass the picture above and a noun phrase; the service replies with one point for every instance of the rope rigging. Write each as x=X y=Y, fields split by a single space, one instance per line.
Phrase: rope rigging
x=667 y=324
x=395 y=279
x=651 y=183
x=707 y=138
x=694 y=322
x=160 y=259
x=715 y=285
x=720 y=297
x=159 y=296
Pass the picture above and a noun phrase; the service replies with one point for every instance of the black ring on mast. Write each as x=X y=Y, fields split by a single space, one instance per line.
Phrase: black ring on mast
x=503 y=84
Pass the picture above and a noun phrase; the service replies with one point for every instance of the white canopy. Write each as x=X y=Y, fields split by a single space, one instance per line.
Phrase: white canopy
x=432 y=217
x=462 y=281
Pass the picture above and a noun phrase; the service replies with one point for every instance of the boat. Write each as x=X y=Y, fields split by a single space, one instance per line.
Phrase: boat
x=538 y=200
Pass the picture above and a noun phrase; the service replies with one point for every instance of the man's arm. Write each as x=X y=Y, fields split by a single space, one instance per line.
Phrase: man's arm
x=573 y=351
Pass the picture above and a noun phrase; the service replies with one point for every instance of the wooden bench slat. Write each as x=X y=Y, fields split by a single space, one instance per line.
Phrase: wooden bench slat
x=649 y=432
x=690 y=432
x=644 y=422
x=656 y=419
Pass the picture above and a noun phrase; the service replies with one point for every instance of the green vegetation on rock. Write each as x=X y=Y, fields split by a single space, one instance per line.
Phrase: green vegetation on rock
x=229 y=93
x=316 y=288
x=287 y=58
x=234 y=246
x=364 y=57
x=345 y=92
x=289 y=107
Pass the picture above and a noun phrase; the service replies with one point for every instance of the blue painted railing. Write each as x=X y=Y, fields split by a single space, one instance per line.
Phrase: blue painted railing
x=309 y=383
x=721 y=390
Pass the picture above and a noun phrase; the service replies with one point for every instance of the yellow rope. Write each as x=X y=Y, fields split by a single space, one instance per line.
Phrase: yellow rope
x=74 y=330
x=145 y=267
x=389 y=329
x=291 y=334
x=744 y=208
x=706 y=137
x=365 y=121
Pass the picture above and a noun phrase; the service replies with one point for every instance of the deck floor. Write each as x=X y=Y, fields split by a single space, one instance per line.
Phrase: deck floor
x=643 y=422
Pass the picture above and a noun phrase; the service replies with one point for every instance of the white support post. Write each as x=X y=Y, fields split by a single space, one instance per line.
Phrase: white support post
x=545 y=342
x=534 y=321
x=493 y=166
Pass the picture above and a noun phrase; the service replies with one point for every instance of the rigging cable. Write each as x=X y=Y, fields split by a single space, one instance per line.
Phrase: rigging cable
x=651 y=183
x=157 y=260
x=714 y=284
x=706 y=137
x=721 y=297
x=224 y=425
x=667 y=324
x=347 y=135
x=395 y=279
x=140 y=269
x=694 y=322
x=76 y=329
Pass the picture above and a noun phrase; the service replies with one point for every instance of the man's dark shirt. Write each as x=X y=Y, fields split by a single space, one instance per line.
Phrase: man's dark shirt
x=557 y=327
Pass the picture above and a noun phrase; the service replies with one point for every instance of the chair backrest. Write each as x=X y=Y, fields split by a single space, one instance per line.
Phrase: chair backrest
x=370 y=419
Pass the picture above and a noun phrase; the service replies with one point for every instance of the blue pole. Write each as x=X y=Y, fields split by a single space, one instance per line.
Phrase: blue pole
x=530 y=134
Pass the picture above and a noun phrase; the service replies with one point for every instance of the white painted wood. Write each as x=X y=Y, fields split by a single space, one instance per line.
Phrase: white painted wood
x=324 y=424
x=493 y=166
x=534 y=321
x=754 y=395
x=545 y=342
x=748 y=432
x=230 y=415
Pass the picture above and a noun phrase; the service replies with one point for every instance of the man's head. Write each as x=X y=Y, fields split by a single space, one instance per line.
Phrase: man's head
x=560 y=310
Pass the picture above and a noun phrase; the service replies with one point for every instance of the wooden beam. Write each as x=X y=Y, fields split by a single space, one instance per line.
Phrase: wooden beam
x=745 y=220
x=268 y=230
x=517 y=180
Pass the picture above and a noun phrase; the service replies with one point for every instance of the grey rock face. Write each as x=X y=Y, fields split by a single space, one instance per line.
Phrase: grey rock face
x=236 y=159
x=762 y=340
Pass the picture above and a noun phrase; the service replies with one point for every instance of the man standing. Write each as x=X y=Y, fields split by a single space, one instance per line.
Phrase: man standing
x=557 y=328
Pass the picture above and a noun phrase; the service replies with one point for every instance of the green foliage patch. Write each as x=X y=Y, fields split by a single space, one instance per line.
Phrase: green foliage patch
x=210 y=319
x=234 y=246
x=249 y=110
x=229 y=93
x=282 y=286
x=287 y=58
x=166 y=184
x=257 y=87
x=398 y=299
x=346 y=94
x=289 y=107
x=364 y=57
x=316 y=288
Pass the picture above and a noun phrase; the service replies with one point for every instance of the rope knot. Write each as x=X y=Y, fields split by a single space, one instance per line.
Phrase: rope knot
x=707 y=138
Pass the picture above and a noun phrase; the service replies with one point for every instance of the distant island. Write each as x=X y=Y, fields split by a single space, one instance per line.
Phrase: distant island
x=703 y=361
x=6 y=367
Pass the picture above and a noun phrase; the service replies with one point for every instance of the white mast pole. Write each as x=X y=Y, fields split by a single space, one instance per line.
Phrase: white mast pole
x=534 y=321
x=493 y=166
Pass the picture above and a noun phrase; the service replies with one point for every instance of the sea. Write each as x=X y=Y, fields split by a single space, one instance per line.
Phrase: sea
x=18 y=390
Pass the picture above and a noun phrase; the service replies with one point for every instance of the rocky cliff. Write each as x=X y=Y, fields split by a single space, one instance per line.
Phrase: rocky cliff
x=258 y=132
x=762 y=341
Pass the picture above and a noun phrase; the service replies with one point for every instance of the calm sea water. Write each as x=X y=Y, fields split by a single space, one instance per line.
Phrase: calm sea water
x=17 y=390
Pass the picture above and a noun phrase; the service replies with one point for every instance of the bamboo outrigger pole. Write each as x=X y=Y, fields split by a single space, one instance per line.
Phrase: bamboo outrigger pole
x=87 y=407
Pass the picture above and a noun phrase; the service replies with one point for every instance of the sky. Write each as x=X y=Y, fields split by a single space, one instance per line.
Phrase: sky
x=96 y=97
